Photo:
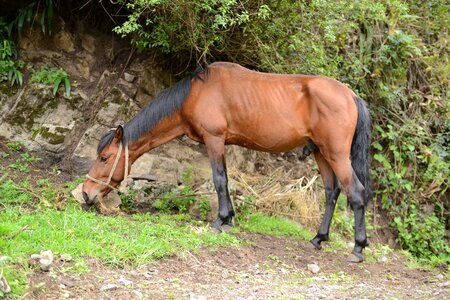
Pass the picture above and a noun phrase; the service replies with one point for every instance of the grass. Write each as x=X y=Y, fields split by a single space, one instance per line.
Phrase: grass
x=278 y=226
x=115 y=240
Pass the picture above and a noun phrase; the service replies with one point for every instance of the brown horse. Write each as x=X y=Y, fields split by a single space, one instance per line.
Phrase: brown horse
x=229 y=104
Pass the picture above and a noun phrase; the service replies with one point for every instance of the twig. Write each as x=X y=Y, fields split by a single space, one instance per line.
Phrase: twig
x=19 y=97
x=180 y=196
x=12 y=236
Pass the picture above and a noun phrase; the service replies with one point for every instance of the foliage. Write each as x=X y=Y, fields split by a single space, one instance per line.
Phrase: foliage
x=392 y=53
x=27 y=14
x=176 y=201
x=54 y=77
x=14 y=146
x=9 y=67
x=423 y=236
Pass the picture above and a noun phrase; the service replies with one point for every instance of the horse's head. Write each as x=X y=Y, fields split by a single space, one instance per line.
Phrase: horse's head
x=108 y=169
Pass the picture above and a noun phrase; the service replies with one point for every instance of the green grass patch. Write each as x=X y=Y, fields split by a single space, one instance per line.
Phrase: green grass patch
x=115 y=240
x=278 y=226
x=14 y=194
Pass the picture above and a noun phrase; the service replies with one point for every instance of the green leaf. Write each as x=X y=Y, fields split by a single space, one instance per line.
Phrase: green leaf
x=56 y=86
x=67 y=86
x=377 y=146
x=19 y=77
x=43 y=23
x=49 y=16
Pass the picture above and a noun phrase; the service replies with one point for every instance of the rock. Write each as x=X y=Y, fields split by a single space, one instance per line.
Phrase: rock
x=151 y=82
x=127 y=87
x=109 y=205
x=46 y=260
x=125 y=281
x=66 y=258
x=34 y=260
x=128 y=77
x=108 y=287
x=313 y=268
x=43 y=122
x=197 y=297
x=83 y=67
x=63 y=39
x=77 y=193
x=88 y=42
x=383 y=259
x=5 y=260
x=4 y=286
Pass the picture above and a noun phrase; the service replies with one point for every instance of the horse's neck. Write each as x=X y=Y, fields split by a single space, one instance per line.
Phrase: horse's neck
x=166 y=130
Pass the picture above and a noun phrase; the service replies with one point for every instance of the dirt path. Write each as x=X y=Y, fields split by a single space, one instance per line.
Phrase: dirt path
x=266 y=268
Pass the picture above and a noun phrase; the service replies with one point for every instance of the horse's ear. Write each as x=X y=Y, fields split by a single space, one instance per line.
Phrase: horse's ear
x=118 y=133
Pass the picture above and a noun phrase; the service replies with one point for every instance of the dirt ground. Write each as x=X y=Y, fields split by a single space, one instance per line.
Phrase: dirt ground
x=266 y=268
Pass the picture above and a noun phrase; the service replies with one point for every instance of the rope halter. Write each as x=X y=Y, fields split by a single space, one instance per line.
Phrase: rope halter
x=116 y=161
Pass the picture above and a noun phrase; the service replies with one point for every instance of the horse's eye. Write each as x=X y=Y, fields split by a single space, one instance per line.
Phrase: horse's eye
x=103 y=158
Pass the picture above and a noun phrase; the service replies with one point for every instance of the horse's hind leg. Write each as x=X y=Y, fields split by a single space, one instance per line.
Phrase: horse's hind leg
x=216 y=152
x=354 y=190
x=332 y=191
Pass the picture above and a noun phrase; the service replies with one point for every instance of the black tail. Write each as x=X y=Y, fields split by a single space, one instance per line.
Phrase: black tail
x=360 y=152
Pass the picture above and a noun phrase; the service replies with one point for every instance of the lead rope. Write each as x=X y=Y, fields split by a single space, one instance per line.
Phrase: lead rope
x=116 y=161
x=124 y=183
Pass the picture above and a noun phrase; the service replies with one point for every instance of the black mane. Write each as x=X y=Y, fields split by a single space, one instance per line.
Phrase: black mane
x=164 y=105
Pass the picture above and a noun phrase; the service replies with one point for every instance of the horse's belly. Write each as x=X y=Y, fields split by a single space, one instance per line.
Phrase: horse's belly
x=268 y=139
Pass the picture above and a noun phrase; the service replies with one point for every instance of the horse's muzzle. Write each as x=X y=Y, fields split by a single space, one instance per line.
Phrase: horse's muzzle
x=88 y=200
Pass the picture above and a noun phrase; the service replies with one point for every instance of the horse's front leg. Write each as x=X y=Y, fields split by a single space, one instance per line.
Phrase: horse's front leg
x=216 y=152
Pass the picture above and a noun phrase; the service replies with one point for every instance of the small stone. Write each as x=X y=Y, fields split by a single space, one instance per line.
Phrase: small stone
x=128 y=77
x=34 y=260
x=46 y=260
x=77 y=193
x=5 y=259
x=4 y=286
x=313 y=268
x=108 y=287
x=67 y=283
x=139 y=294
x=440 y=276
x=382 y=259
x=197 y=297
x=65 y=257
x=125 y=281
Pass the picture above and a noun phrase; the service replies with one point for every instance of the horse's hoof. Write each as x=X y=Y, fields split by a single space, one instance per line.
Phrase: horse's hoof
x=315 y=244
x=355 y=257
x=226 y=228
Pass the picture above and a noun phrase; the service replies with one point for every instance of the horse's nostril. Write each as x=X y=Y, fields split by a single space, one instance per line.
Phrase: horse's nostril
x=85 y=197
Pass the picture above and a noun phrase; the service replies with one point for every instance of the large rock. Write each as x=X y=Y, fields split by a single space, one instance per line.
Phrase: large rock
x=40 y=120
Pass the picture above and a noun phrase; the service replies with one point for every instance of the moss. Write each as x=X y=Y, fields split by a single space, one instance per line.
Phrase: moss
x=6 y=89
x=54 y=137
x=38 y=102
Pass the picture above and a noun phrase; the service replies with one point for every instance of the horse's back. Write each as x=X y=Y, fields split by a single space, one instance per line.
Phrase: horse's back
x=264 y=111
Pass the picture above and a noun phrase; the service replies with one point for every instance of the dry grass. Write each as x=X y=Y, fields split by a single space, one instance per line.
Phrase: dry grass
x=278 y=194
